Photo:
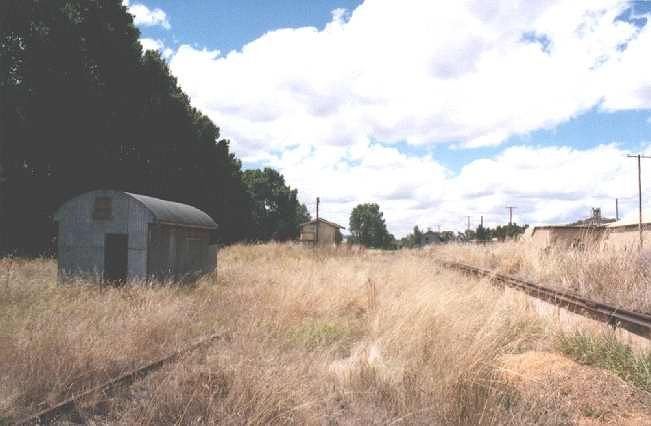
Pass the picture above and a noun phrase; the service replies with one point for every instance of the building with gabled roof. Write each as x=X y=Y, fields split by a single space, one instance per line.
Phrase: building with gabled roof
x=321 y=233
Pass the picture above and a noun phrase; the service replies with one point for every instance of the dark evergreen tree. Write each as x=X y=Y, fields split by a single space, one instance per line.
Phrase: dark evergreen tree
x=81 y=108
x=277 y=213
x=368 y=227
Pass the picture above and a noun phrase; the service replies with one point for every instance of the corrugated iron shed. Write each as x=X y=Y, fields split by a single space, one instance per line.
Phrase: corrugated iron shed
x=117 y=236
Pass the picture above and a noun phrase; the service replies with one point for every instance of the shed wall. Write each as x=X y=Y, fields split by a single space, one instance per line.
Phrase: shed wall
x=627 y=238
x=81 y=238
x=176 y=251
x=541 y=238
x=327 y=233
x=564 y=238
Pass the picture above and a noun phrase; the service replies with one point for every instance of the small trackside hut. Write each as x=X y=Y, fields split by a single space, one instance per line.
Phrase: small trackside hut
x=322 y=233
x=116 y=236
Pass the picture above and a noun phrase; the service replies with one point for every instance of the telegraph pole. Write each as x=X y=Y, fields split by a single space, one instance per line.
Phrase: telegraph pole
x=3 y=197
x=616 y=209
x=510 y=209
x=316 y=239
x=639 y=189
x=468 y=228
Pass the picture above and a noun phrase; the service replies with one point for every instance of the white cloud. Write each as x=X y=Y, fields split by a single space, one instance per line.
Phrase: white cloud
x=547 y=184
x=142 y=15
x=156 y=44
x=468 y=72
x=311 y=102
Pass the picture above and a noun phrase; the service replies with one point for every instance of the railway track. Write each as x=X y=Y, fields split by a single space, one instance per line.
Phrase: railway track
x=67 y=406
x=634 y=322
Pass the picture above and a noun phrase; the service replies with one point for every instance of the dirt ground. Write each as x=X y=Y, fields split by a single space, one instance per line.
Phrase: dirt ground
x=586 y=395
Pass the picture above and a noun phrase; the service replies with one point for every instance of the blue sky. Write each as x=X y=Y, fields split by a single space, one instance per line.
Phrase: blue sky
x=229 y=24
x=433 y=110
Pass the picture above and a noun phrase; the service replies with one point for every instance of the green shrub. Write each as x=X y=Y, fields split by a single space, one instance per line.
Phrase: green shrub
x=605 y=351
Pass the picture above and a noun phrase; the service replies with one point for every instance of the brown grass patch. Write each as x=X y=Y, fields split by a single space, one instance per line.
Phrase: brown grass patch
x=618 y=277
x=583 y=394
x=338 y=337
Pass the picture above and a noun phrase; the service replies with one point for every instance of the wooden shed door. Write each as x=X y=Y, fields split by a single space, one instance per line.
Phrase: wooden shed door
x=116 y=257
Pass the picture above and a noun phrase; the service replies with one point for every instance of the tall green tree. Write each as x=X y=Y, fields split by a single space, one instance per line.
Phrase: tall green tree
x=82 y=108
x=277 y=213
x=368 y=227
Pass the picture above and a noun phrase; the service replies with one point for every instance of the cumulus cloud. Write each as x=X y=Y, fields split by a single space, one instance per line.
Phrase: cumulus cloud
x=325 y=105
x=156 y=44
x=467 y=72
x=142 y=15
x=547 y=184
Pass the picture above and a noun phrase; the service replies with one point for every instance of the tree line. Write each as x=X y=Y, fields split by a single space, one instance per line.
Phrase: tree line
x=82 y=107
x=500 y=233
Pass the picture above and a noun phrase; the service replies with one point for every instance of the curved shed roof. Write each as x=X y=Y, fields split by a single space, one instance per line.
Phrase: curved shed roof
x=170 y=212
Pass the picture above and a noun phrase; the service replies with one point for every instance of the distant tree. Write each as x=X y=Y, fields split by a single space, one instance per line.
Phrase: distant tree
x=368 y=227
x=483 y=234
x=302 y=214
x=447 y=236
x=277 y=213
x=510 y=231
x=417 y=237
x=470 y=234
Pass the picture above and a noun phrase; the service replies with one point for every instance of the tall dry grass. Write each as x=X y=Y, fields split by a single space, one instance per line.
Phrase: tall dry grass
x=607 y=274
x=338 y=337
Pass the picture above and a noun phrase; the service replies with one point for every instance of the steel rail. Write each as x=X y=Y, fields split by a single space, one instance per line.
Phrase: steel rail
x=635 y=322
x=126 y=379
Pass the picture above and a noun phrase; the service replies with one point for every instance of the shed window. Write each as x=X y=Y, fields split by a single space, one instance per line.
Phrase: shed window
x=102 y=209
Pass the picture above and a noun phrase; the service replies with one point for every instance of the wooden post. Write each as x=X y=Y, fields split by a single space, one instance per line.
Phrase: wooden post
x=316 y=238
x=510 y=209
x=3 y=192
x=639 y=190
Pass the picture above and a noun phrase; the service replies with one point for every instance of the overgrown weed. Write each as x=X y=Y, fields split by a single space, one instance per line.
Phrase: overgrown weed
x=606 y=274
x=340 y=336
x=605 y=351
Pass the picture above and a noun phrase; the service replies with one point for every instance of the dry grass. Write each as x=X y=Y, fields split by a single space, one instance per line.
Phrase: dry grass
x=618 y=277
x=348 y=337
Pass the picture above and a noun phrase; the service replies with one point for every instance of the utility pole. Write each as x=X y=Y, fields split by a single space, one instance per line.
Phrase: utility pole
x=616 y=209
x=3 y=192
x=510 y=209
x=639 y=189
x=468 y=227
x=316 y=239
x=481 y=221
